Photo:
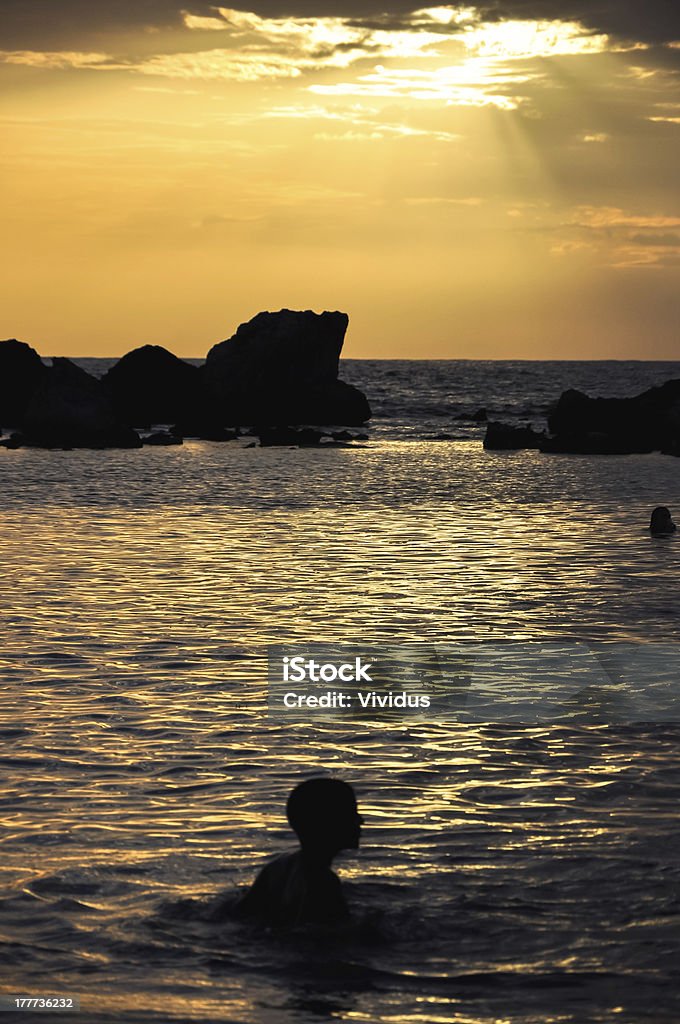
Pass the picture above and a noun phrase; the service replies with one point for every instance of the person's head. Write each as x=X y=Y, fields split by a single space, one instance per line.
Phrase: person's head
x=323 y=814
x=661 y=521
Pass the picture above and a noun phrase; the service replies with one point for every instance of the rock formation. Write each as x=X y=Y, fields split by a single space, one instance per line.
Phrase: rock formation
x=21 y=372
x=647 y=422
x=282 y=368
x=278 y=370
x=70 y=409
x=151 y=385
x=581 y=425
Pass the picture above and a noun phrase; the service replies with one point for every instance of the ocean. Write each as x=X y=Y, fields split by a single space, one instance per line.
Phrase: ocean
x=515 y=866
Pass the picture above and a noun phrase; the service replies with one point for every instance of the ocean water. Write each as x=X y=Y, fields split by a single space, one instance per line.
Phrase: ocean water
x=510 y=870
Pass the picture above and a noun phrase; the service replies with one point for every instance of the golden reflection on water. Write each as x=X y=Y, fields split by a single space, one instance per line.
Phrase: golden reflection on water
x=142 y=770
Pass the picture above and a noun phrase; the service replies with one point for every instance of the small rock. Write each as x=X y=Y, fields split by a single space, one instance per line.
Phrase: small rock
x=161 y=438
x=287 y=436
x=479 y=416
x=13 y=441
x=503 y=437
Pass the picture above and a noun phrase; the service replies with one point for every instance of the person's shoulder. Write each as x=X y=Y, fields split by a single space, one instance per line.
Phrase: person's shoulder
x=279 y=868
x=272 y=879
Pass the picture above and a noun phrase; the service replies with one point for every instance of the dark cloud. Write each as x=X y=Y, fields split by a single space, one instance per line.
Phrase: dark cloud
x=42 y=24
x=651 y=21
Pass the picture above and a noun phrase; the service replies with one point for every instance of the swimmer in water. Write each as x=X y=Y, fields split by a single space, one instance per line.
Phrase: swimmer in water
x=661 y=523
x=300 y=887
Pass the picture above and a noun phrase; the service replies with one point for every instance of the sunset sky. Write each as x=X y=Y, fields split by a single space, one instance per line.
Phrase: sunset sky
x=492 y=181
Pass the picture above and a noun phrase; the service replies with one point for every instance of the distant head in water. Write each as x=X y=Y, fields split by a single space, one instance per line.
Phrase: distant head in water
x=661 y=522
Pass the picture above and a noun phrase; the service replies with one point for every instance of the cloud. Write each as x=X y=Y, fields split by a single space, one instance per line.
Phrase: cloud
x=529 y=40
x=612 y=217
x=209 y=24
x=62 y=59
x=364 y=123
x=653 y=21
x=446 y=55
x=465 y=85
x=609 y=233
x=657 y=240
x=37 y=24
x=376 y=130
x=231 y=65
x=471 y=52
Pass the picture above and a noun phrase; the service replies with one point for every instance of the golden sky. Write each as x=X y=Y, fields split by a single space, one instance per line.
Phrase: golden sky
x=466 y=182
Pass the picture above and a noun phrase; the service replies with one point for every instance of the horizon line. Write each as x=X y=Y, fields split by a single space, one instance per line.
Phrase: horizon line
x=427 y=359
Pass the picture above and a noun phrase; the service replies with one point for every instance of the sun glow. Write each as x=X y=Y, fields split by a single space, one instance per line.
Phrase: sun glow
x=450 y=178
x=448 y=15
x=456 y=55
x=524 y=40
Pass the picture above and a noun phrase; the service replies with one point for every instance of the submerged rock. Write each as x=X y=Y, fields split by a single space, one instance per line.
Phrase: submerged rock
x=21 y=373
x=287 y=436
x=480 y=416
x=346 y=435
x=305 y=437
x=503 y=437
x=70 y=409
x=283 y=368
x=161 y=439
x=445 y=436
x=14 y=440
x=151 y=385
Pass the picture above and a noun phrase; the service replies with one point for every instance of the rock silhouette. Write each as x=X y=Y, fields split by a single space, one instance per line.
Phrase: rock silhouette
x=151 y=385
x=70 y=409
x=161 y=439
x=479 y=416
x=282 y=368
x=21 y=372
x=647 y=422
x=278 y=370
x=581 y=425
x=503 y=437
x=303 y=437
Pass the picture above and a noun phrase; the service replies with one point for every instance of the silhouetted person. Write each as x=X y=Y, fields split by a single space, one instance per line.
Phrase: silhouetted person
x=661 y=522
x=300 y=887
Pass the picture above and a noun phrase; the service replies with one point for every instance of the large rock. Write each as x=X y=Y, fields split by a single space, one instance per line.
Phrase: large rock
x=151 y=385
x=644 y=423
x=70 y=409
x=282 y=368
x=21 y=371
